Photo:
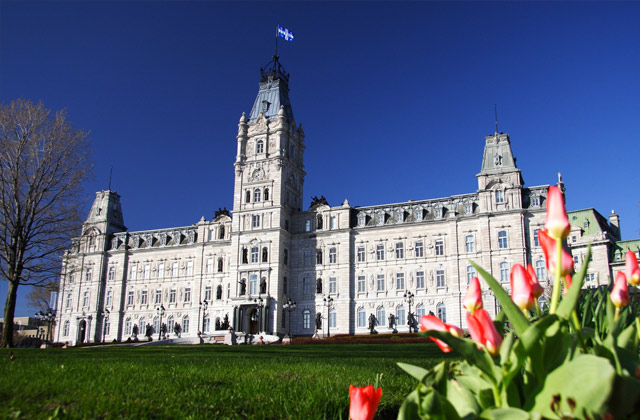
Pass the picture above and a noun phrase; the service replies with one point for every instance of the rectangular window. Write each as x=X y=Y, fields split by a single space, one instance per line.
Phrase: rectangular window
x=85 y=299
x=189 y=268
x=172 y=296
x=160 y=270
x=380 y=281
x=133 y=272
x=502 y=239
x=536 y=241
x=380 y=252
x=306 y=319
x=440 y=278
x=332 y=222
x=174 y=269
x=333 y=255
x=69 y=299
x=361 y=284
x=499 y=196
x=469 y=243
x=400 y=281
x=109 y=299
x=71 y=278
x=285 y=258
x=254 y=254
x=112 y=273
x=207 y=293
x=306 y=257
x=253 y=284
x=255 y=220
x=143 y=297
x=146 y=271
x=361 y=254
x=420 y=279
x=187 y=294
x=209 y=265
x=130 y=297
x=306 y=286
x=158 y=299
x=504 y=272
x=399 y=250
x=307 y=225
x=333 y=285
x=419 y=249
x=439 y=247
x=332 y=318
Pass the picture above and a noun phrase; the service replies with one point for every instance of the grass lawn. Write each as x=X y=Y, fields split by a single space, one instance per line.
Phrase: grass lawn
x=204 y=382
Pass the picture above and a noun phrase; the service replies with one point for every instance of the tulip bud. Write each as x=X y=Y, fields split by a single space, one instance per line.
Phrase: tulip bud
x=521 y=291
x=473 y=300
x=364 y=402
x=536 y=288
x=433 y=323
x=620 y=293
x=548 y=245
x=631 y=268
x=557 y=223
x=483 y=331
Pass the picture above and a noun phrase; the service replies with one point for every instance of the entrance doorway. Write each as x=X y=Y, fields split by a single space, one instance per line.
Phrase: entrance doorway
x=82 y=330
x=254 y=318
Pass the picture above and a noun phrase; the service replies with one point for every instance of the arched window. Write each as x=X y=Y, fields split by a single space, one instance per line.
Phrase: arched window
x=471 y=273
x=266 y=194
x=220 y=265
x=441 y=312
x=260 y=146
x=319 y=221
x=247 y=196
x=256 y=195
x=362 y=317
x=401 y=316
x=265 y=255
x=219 y=292
x=263 y=285
x=319 y=286
x=541 y=271
x=185 y=324
x=420 y=311
x=333 y=318
x=380 y=316
x=156 y=324
x=65 y=329
x=243 y=287
x=142 y=326
x=127 y=327
x=206 y=323
x=504 y=272
x=306 y=319
x=170 y=324
x=221 y=232
x=319 y=256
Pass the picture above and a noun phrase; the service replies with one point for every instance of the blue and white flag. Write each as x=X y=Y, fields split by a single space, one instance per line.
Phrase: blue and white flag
x=285 y=33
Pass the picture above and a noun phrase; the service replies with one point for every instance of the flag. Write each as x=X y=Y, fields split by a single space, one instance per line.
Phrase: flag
x=285 y=33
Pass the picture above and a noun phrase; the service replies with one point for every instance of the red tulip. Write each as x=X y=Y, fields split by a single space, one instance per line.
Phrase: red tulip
x=567 y=283
x=473 y=300
x=620 y=293
x=536 y=288
x=483 y=331
x=548 y=245
x=521 y=291
x=364 y=402
x=557 y=222
x=433 y=323
x=631 y=267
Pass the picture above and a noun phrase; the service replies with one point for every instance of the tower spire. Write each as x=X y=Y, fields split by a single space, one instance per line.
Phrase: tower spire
x=495 y=112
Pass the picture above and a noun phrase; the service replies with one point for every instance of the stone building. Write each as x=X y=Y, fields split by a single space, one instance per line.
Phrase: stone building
x=347 y=268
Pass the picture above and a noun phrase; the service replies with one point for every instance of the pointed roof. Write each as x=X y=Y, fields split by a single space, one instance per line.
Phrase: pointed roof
x=498 y=157
x=273 y=93
x=106 y=208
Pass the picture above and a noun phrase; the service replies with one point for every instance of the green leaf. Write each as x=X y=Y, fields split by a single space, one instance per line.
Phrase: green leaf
x=505 y=413
x=625 y=400
x=568 y=303
x=628 y=338
x=587 y=379
x=409 y=408
x=462 y=399
x=518 y=320
x=435 y=406
x=415 y=371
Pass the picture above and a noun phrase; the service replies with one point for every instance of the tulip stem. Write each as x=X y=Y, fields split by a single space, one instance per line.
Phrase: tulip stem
x=555 y=297
x=617 y=315
x=538 y=310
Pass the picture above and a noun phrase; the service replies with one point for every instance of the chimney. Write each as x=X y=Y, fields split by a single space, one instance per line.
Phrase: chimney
x=614 y=221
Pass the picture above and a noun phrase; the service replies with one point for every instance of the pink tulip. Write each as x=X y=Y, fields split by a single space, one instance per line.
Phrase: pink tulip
x=548 y=245
x=483 y=331
x=557 y=223
x=364 y=402
x=620 y=293
x=473 y=300
x=536 y=288
x=433 y=323
x=631 y=268
x=521 y=290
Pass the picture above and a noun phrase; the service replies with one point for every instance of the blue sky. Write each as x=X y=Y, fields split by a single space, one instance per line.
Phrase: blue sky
x=395 y=97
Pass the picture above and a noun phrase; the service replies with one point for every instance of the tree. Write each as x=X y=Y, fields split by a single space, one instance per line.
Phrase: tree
x=43 y=163
x=39 y=297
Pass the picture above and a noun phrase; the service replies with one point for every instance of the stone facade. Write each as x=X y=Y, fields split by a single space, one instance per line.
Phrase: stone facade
x=345 y=267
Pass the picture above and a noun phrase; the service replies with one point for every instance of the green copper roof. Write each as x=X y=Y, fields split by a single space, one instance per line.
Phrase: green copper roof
x=619 y=250
x=589 y=220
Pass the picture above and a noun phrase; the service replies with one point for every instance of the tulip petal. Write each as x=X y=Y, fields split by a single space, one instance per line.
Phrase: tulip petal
x=556 y=223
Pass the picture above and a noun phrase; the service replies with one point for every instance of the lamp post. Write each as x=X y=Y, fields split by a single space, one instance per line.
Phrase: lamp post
x=260 y=303
x=408 y=297
x=289 y=306
x=160 y=310
x=328 y=302
x=48 y=317
x=105 y=315
x=204 y=305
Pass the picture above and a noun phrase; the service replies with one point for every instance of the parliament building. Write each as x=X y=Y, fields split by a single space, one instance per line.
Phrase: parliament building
x=348 y=269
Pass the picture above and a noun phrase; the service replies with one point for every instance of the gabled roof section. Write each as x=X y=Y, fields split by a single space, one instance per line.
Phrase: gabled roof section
x=589 y=220
x=273 y=92
x=619 y=251
x=498 y=157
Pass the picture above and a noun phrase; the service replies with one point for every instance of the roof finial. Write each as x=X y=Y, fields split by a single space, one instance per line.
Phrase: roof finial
x=495 y=111
x=110 y=174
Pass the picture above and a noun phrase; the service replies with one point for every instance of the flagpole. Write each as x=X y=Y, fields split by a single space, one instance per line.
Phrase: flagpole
x=276 y=52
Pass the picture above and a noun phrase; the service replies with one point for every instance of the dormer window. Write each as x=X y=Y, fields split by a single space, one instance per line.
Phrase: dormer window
x=586 y=224
x=535 y=201
x=499 y=196
x=260 y=146
x=265 y=106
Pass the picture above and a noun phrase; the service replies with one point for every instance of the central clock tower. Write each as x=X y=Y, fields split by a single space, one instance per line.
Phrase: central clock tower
x=269 y=178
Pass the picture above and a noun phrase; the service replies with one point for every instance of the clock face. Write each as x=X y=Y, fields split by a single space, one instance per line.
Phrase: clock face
x=258 y=174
